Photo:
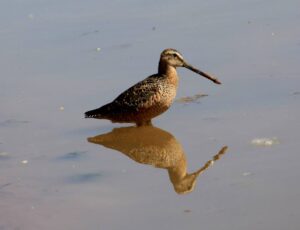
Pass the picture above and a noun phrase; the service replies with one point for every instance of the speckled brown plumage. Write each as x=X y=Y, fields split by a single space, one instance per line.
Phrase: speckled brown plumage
x=150 y=97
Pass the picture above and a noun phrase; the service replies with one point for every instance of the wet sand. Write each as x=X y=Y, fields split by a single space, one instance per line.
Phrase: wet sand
x=60 y=58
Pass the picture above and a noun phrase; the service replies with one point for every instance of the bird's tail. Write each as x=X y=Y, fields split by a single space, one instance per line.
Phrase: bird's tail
x=96 y=113
x=101 y=113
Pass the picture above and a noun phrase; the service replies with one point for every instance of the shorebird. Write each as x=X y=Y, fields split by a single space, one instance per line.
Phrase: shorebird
x=150 y=97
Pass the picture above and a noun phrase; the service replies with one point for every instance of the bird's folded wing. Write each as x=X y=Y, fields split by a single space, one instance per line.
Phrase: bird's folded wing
x=140 y=96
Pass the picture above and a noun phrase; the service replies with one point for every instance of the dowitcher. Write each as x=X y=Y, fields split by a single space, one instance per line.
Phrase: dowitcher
x=150 y=97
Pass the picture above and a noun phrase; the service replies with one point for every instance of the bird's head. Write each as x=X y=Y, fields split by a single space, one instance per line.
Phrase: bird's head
x=173 y=58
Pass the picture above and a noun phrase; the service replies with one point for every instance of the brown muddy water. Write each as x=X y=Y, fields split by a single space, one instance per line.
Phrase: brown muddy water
x=61 y=171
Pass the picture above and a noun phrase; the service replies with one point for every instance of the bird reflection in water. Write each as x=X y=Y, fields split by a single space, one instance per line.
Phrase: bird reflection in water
x=153 y=146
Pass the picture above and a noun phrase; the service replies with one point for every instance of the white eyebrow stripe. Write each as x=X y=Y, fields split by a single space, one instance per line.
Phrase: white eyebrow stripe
x=174 y=52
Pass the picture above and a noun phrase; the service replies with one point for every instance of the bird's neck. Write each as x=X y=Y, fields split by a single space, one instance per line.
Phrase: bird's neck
x=168 y=71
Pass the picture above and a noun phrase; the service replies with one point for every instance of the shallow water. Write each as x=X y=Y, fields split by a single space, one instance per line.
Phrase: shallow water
x=52 y=177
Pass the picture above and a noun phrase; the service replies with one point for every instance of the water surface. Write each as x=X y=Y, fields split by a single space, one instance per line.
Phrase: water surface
x=52 y=177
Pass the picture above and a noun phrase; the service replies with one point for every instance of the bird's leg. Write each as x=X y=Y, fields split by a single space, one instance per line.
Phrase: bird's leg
x=144 y=123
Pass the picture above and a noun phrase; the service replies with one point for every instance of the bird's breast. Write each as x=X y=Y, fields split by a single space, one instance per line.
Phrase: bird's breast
x=163 y=98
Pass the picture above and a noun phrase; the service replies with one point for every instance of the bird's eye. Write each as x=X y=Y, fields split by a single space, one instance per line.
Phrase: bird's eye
x=174 y=55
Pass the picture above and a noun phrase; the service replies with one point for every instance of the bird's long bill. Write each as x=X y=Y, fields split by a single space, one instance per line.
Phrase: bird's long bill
x=190 y=67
